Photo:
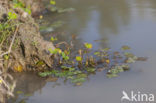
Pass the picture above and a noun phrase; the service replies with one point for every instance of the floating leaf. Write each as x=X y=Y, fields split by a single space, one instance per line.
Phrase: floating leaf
x=97 y=53
x=130 y=60
x=28 y=95
x=90 y=69
x=22 y=101
x=112 y=75
x=60 y=10
x=78 y=58
x=127 y=54
x=77 y=72
x=105 y=49
x=78 y=80
x=88 y=46
x=19 y=92
x=142 y=59
x=53 y=39
x=125 y=67
x=70 y=77
x=125 y=47
x=82 y=75
x=116 y=53
x=51 y=79
x=78 y=84
x=45 y=74
x=68 y=68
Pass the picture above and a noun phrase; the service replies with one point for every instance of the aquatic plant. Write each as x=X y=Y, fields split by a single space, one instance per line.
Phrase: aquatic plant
x=77 y=68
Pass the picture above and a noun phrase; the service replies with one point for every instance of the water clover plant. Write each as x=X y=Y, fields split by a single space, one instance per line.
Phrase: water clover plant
x=76 y=68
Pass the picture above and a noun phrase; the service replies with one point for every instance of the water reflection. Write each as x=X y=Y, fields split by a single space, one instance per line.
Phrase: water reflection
x=121 y=22
x=111 y=14
x=101 y=18
x=27 y=84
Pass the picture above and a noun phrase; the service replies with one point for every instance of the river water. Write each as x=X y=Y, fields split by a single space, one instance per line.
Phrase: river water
x=112 y=23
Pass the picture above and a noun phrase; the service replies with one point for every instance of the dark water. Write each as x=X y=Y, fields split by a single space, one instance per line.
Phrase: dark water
x=114 y=23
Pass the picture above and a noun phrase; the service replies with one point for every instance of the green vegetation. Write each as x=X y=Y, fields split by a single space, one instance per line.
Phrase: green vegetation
x=77 y=68
x=19 y=4
x=7 y=28
x=9 y=24
x=53 y=7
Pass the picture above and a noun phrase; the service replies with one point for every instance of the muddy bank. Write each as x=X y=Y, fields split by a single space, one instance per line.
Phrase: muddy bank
x=30 y=45
x=24 y=47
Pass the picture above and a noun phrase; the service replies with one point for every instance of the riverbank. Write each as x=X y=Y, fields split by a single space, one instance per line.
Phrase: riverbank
x=21 y=45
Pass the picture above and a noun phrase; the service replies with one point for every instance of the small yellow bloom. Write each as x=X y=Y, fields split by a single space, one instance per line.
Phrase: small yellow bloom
x=88 y=45
x=41 y=17
x=0 y=81
x=79 y=58
x=107 y=61
x=52 y=2
x=18 y=68
x=59 y=51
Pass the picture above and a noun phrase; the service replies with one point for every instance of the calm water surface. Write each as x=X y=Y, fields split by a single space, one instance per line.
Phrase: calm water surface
x=114 y=23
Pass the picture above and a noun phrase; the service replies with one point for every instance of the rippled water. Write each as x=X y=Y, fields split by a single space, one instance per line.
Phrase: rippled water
x=113 y=23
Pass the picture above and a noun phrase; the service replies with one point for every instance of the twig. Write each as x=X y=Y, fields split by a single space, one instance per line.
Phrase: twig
x=12 y=42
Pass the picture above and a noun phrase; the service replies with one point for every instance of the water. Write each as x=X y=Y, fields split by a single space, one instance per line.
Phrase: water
x=114 y=23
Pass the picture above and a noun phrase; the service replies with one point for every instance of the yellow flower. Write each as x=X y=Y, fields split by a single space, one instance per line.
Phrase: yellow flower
x=18 y=68
x=0 y=81
x=52 y=2
x=107 y=61
x=88 y=46
x=41 y=17
x=79 y=58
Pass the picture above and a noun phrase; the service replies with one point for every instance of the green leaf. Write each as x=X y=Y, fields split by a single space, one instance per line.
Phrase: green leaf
x=6 y=57
x=19 y=92
x=112 y=75
x=78 y=58
x=45 y=74
x=28 y=10
x=127 y=54
x=52 y=2
x=105 y=49
x=90 y=69
x=131 y=59
x=125 y=47
x=55 y=51
x=76 y=80
x=97 y=53
x=82 y=75
x=64 y=56
x=53 y=39
x=12 y=15
x=88 y=46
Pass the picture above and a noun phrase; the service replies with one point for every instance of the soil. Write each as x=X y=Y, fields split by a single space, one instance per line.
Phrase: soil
x=31 y=47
